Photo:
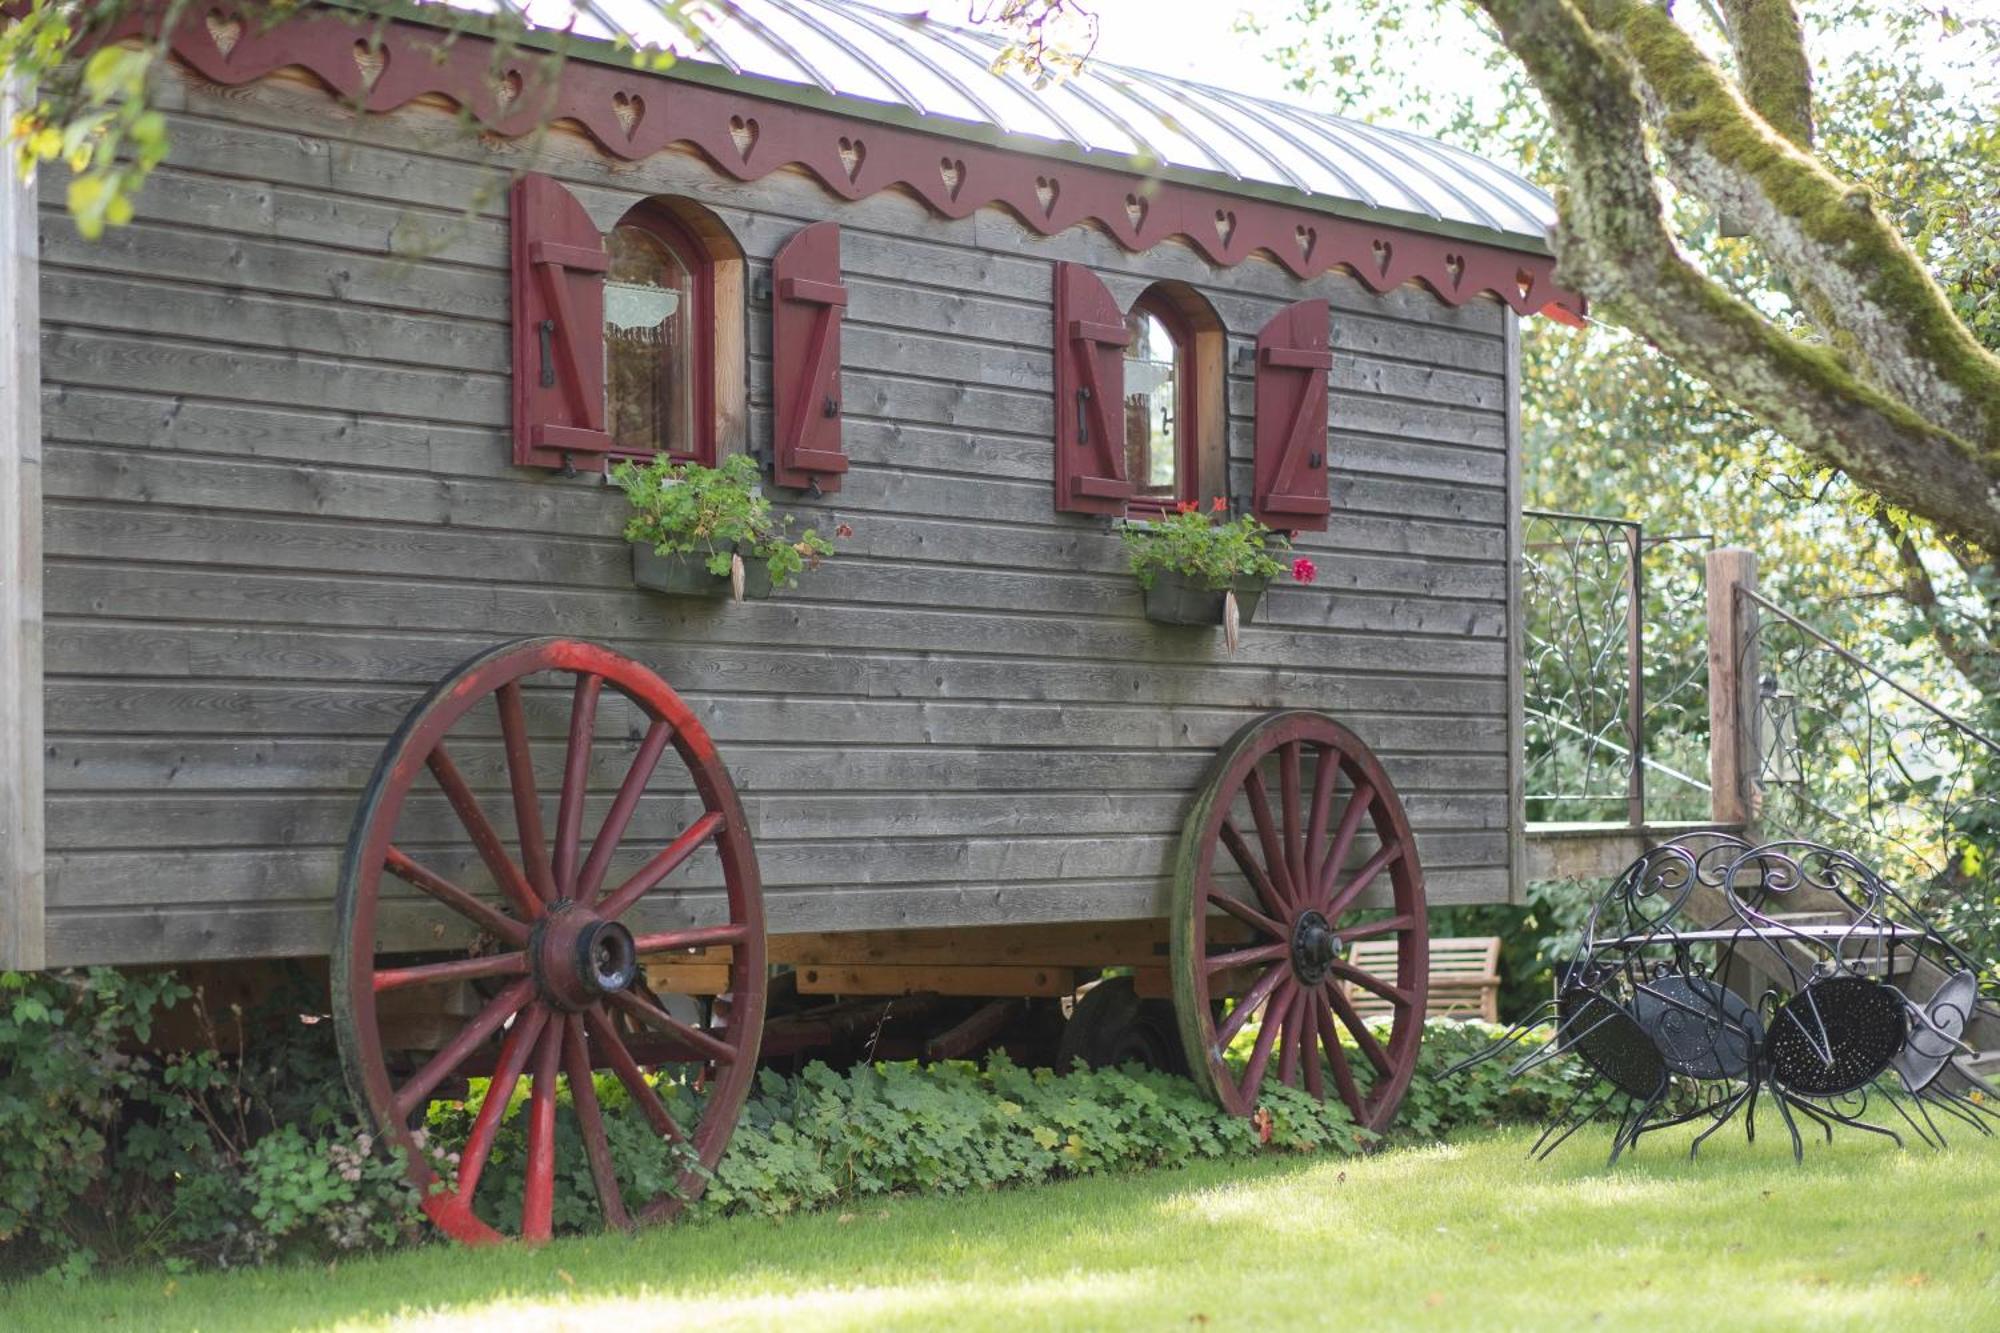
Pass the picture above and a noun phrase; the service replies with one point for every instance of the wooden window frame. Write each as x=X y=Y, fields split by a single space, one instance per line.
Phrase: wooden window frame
x=654 y=217
x=1187 y=406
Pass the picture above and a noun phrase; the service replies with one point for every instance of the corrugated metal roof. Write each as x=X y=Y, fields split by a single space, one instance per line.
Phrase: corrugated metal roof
x=915 y=69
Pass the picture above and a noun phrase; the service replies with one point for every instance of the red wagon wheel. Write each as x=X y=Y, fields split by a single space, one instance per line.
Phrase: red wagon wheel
x=547 y=953
x=1269 y=897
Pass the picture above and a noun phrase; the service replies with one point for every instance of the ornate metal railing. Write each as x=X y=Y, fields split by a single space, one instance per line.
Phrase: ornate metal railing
x=1847 y=755
x=1615 y=672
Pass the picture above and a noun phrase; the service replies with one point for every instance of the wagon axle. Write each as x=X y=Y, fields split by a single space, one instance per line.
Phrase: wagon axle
x=577 y=958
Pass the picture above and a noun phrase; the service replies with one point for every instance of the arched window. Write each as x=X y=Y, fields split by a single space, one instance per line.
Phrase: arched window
x=1160 y=424
x=659 y=339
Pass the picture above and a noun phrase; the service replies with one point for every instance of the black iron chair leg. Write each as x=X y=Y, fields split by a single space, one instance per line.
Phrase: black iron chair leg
x=1779 y=1096
x=1729 y=1108
x=1915 y=1128
x=1540 y=1154
x=1629 y=1132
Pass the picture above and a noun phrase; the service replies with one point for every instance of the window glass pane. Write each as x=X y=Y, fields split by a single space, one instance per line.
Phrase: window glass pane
x=648 y=354
x=1152 y=404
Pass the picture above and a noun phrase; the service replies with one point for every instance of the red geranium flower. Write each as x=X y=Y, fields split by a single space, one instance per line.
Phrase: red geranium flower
x=1218 y=505
x=843 y=531
x=1303 y=570
x=1185 y=506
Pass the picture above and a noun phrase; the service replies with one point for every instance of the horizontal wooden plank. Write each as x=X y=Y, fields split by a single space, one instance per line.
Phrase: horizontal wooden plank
x=250 y=765
x=206 y=819
x=160 y=932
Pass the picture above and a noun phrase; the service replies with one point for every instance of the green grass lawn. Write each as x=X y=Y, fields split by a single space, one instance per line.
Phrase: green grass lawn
x=1470 y=1236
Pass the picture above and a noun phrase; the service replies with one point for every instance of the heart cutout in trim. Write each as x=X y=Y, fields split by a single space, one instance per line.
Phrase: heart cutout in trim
x=853 y=153
x=1135 y=209
x=1225 y=225
x=370 y=61
x=1525 y=281
x=1047 y=191
x=507 y=89
x=1455 y=265
x=630 y=110
x=224 y=32
x=743 y=133
x=952 y=170
x=1384 y=252
x=1307 y=238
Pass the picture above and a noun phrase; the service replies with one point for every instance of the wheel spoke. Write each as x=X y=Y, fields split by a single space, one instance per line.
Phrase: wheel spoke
x=1336 y=1054
x=1241 y=910
x=497 y=1011
x=590 y=1123
x=657 y=869
x=527 y=801
x=489 y=919
x=720 y=1052
x=485 y=840
x=1363 y=877
x=1363 y=1038
x=1267 y=1036
x=1246 y=861
x=463 y=969
x=1247 y=1006
x=1309 y=1005
x=1267 y=836
x=1369 y=981
x=1326 y=766
x=1258 y=953
x=1343 y=837
x=1288 y=800
x=634 y=1078
x=514 y=1053
x=701 y=937
x=612 y=832
x=538 y=1196
x=1370 y=929
x=576 y=780
x=1289 y=1043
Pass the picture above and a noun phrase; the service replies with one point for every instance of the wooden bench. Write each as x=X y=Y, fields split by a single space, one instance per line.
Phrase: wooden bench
x=1464 y=977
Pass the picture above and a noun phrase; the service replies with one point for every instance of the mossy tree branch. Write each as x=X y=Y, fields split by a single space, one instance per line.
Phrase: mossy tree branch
x=1613 y=242
x=1770 y=50
x=1875 y=297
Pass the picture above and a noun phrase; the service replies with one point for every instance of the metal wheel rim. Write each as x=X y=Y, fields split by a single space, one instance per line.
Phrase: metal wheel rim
x=568 y=1039
x=1302 y=1049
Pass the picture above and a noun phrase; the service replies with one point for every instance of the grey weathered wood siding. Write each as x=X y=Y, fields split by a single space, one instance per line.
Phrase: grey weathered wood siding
x=279 y=504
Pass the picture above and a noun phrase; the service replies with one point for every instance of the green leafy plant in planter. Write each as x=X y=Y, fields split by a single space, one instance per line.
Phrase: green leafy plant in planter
x=709 y=527
x=1196 y=570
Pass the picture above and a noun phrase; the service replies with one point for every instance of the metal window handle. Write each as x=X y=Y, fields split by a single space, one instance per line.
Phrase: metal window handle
x=1313 y=460
x=831 y=408
x=547 y=329
x=1083 y=415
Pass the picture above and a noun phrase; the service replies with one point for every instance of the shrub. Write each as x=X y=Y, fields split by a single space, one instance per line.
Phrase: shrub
x=713 y=513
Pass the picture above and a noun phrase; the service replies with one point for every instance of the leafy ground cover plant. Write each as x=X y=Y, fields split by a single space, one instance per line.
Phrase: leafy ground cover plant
x=1192 y=543
x=711 y=514
x=110 y=1153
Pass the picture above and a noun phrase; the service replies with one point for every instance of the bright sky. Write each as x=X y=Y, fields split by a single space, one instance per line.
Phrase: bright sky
x=1192 y=38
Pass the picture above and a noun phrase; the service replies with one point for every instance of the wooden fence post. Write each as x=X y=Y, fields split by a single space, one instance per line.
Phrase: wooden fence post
x=1732 y=687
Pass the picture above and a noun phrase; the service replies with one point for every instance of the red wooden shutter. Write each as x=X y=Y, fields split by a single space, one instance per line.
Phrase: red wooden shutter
x=1090 y=395
x=558 y=289
x=1290 y=475
x=807 y=302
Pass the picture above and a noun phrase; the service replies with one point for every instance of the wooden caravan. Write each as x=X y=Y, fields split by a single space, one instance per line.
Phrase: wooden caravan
x=324 y=638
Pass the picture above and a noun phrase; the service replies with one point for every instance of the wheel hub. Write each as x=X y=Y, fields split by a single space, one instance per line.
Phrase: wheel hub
x=578 y=958
x=1314 y=947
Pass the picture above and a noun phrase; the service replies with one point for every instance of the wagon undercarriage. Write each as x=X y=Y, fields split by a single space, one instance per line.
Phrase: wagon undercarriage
x=583 y=977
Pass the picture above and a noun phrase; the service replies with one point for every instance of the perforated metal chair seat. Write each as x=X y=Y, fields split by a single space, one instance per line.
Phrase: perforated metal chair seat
x=1934 y=1037
x=1839 y=1034
x=1703 y=1030
x=1610 y=1040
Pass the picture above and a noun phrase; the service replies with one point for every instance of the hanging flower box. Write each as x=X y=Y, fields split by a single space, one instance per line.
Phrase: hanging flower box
x=709 y=531
x=1181 y=599
x=689 y=576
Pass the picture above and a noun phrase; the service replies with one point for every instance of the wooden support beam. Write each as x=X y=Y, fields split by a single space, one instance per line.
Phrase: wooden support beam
x=1072 y=944
x=1732 y=687
x=21 y=830
x=936 y=979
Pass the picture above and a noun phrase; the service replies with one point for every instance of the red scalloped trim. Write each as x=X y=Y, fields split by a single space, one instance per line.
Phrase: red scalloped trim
x=632 y=114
